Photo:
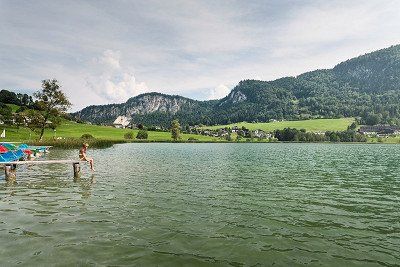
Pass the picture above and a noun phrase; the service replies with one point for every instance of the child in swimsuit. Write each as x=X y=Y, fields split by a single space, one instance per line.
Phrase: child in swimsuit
x=83 y=157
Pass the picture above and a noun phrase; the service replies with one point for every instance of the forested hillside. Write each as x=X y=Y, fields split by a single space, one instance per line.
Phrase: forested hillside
x=367 y=86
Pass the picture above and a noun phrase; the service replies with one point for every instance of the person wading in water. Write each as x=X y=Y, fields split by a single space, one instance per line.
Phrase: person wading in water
x=83 y=157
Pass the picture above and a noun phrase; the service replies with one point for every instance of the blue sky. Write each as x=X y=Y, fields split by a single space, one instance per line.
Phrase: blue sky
x=107 y=51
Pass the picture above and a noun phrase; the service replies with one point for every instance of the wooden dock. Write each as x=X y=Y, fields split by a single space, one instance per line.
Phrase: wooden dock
x=10 y=167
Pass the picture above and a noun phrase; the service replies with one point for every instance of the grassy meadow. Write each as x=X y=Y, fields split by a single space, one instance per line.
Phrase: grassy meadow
x=13 y=107
x=316 y=125
x=70 y=130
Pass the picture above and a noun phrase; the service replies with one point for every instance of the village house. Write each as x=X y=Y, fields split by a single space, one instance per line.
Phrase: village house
x=379 y=129
x=222 y=133
x=261 y=134
x=235 y=129
x=121 y=122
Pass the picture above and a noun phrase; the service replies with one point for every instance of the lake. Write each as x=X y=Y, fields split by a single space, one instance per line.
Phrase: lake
x=207 y=204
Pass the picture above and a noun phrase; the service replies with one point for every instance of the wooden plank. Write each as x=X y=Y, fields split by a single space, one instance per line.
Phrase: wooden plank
x=34 y=162
x=10 y=172
x=77 y=169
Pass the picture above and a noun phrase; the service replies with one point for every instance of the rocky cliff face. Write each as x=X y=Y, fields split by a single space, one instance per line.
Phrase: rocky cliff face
x=149 y=103
x=139 y=105
x=236 y=96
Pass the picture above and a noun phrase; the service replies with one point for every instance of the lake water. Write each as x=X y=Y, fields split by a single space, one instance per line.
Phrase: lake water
x=208 y=204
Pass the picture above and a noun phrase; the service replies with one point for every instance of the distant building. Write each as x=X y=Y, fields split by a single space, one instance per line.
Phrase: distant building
x=260 y=134
x=121 y=122
x=381 y=129
x=222 y=133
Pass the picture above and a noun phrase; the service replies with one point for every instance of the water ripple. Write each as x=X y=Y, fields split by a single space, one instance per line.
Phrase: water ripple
x=208 y=204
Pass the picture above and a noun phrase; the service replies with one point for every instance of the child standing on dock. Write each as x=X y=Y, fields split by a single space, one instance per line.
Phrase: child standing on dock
x=83 y=157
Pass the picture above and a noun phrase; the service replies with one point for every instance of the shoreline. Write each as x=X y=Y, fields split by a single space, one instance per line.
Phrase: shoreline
x=104 y=143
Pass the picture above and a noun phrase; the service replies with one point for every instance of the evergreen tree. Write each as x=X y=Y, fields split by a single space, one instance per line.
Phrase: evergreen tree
x=175 y=130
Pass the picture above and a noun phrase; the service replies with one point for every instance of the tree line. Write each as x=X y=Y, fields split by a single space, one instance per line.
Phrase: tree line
x=44 y=110
x=296 y=135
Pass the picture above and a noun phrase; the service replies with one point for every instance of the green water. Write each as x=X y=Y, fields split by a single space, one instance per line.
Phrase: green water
x=208 y=204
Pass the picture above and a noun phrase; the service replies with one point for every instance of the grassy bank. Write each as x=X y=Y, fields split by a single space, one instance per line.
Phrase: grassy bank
x=75 y=143
x=317 y=125
x=384 y=140
x=72 y=143
x=68 y=135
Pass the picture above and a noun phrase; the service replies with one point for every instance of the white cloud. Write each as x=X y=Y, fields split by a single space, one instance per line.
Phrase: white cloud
x=109 y=79
x=110 y=59
x=181 y=47
x=327 y=27
x=219 y=92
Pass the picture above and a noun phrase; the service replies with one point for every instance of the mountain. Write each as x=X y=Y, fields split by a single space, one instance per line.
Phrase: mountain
x=147 y=108
x=366 y=86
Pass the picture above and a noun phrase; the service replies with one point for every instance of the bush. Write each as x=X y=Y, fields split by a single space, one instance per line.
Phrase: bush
x=129 y=135
x=87 y=136
x=142 y=134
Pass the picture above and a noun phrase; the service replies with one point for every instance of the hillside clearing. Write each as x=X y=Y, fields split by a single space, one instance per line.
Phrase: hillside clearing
x=316 y=125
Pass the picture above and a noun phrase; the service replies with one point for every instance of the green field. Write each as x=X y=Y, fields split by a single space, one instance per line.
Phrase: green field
x=69 y=129
x=317 y=125
x=13 y=107
x=384 y=140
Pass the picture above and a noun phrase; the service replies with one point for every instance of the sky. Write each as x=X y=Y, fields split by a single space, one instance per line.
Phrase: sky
x=105 y=52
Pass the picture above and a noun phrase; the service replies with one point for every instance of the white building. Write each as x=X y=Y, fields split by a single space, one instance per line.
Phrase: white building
x=121 y=122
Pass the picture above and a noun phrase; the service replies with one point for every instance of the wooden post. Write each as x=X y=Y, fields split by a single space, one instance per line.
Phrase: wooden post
x=10 y=172
x=77 y=169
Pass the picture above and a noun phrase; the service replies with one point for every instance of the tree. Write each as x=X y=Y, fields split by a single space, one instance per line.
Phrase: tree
x=9 y=97
x=352 y=127
x=87 y=136
x=5 y=113
x=251 y=134
x=128 y=135
x=33 y=119
x=334 y=137
x=175 y=130
x=229 y=137
x=372 y=119
x=187 y=128
x=19 y=120
x=52 y=103
x=142 y=134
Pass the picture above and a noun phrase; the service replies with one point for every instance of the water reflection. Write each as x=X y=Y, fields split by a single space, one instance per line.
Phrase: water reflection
x=85 y=185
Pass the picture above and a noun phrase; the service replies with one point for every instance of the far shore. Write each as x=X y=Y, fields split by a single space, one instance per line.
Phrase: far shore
x=103 y=143
x=71 y=134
